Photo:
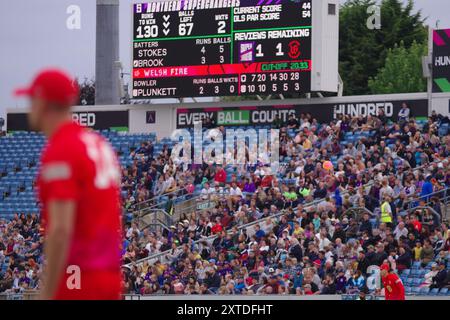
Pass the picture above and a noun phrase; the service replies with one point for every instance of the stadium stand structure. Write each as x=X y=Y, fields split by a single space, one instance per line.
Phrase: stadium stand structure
x=18 y=172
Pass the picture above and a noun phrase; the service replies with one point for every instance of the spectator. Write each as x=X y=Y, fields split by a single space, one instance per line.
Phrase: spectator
x=427 y=253
x=427 y=189
x=403 y=260
x=440 y=280
x=429 y=276
x=220 y=175
x=400 y=231
x=403 y=114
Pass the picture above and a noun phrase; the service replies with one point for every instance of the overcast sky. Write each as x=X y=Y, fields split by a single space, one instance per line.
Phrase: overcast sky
x=34 y=35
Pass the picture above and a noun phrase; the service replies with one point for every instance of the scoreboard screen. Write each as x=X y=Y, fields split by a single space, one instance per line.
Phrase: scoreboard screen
x=193 y=48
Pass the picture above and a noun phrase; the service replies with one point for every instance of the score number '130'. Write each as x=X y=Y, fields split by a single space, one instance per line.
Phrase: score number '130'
x=184 y=29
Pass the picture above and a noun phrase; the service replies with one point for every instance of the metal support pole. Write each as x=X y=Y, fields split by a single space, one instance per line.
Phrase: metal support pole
x=107 y=53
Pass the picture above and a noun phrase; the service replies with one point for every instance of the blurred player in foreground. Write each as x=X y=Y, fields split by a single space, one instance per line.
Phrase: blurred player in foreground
x=78 y=187
x=393 y=286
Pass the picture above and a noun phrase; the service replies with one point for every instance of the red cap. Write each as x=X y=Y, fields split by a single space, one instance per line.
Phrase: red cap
x=384 y=266
x=52 y=85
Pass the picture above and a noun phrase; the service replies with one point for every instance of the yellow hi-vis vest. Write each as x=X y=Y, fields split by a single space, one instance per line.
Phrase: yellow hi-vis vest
x=385 y=216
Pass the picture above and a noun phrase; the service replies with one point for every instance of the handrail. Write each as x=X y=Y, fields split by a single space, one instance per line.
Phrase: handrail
x=428 y=208
x=364 y=209
x=155 y=198
x=158 y=223
x=151 y=210
x=429 y=196
x=155 y=212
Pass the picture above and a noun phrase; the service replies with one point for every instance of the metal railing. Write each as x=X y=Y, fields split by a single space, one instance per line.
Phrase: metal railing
x=157 y=217
x=154 y=202
x=179 y=209
x=444 y=200
x=26 y=295
x=356 y=212
x=185 y=206
x=425 y=208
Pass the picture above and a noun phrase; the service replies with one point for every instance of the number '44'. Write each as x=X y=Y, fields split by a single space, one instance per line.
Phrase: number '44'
x=307 y=6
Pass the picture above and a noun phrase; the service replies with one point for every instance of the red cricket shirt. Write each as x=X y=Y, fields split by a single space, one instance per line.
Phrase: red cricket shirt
x=79 y=165
x=220 y=176
x=393 y=287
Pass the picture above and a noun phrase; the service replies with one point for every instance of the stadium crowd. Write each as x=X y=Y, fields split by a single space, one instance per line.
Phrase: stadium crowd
x=307 y=241
x=307 y=249
x=21 y=247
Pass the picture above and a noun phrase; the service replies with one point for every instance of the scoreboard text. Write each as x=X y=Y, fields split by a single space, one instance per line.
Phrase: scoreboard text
x=192 y=48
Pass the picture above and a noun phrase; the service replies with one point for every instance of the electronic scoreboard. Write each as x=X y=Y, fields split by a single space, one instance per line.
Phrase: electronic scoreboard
x=192 y=48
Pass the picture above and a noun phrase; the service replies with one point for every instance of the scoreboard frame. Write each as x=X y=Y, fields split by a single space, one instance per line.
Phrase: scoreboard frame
x=314 y=78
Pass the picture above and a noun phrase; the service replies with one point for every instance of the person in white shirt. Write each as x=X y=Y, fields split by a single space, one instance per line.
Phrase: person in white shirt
x=259 y=171
x=429 y=276
x=403 y=114
x=400 y=230
x=323 y=240
x=206 y=191
x=386 y=189
x=217 y=190
x=235 y=190
x=131 y=230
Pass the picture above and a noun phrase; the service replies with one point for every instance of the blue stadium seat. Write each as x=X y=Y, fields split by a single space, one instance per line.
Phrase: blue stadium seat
x=434 y=292
x=443 y=292
x=424 y=291
x=416 y=290
x=403 y=278
x=415 y=272
x=443 y=129
x=409 y=282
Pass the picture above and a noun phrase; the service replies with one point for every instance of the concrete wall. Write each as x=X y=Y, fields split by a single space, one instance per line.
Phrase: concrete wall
x=441 y=103
x=164 y=124
x=325 y=47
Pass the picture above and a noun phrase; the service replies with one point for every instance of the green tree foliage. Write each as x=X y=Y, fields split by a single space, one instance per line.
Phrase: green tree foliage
x=402 y=72
x=363 y=51
x=87 y=92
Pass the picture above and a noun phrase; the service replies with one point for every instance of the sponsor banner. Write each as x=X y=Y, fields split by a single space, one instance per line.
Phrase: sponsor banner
x=98 y=120
x=233 y=117
x=264 y=115
x=441 y=60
